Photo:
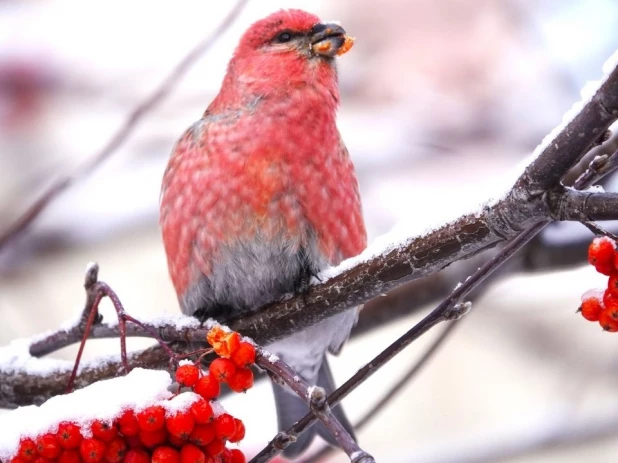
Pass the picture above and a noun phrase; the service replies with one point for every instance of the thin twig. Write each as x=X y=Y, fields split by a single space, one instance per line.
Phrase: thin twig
x=315 y=397
x=394 y=389
x=48 y=196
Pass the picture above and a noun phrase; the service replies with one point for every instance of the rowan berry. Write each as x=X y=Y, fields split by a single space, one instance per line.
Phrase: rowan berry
x=187 y=375
x=69 y=435
x=181 y=424
x=237 y=456
x=151 y=439
x=134 y=442
x=27 y=449
x=207 y=387
x=226 y=456
x=202 y=411
x=607 y=322
x=225 y=426
x=601 y=254
x=244 y=356
x=229 y=344
x=175 y=441
x=591 y=308
x=215 y=447
x=203 y=434
x=215 y=335
x=104 y=431
x=127 y=423
x=190 y=453
x=221 y=369
x=48 y=446
x=240 y=431
x=612 y=284
x=116 y=450
x=151 y=418
x=241 y=380
x=165 y=454
x=69 y=456
x=92 y=450
x=41 y=459
x=136 y=456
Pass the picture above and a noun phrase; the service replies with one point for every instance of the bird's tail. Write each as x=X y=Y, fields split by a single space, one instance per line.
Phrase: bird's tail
x=290 y=409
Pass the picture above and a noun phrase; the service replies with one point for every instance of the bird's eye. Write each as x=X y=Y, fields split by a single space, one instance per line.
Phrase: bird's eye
x=284 y=37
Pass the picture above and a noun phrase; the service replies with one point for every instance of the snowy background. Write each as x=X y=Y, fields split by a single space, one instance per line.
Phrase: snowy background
x=440 y=103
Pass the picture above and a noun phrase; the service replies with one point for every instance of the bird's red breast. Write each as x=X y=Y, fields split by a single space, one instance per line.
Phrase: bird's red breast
x=265 y=163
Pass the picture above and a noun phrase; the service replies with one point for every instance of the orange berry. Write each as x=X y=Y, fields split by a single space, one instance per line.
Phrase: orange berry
x=69 y=456
x=127 y=423
x=607 y=322
x=187 y=375
x=236 y=456
x=116 y=450
x=181 y=424
x=27 y=449
x=203 y=434
x=92 y=450
x=151 y=418
x=136 y=456
x=225 y=426
x=591 y=308
x=601 y=253
x=69 y=435
x=244 y=356
x=216 y=334
x=240 y=431
x=229 y=344
x=221 y=369
x=207 y=387
x=165 y=454
x=190 y=453
x=103 y=431
x=48 y=446
x=241 y=380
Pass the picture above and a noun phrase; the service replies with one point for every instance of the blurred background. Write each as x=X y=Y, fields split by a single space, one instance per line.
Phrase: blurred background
x=441 y=103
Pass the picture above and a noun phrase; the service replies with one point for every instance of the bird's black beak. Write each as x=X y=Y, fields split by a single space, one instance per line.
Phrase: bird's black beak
x=329 y=39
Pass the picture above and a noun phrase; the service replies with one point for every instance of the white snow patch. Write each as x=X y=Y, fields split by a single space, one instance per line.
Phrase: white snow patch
x=596 y=293
x=103 y=400
x=15 y=357
x=178 y=321
x=272 y=358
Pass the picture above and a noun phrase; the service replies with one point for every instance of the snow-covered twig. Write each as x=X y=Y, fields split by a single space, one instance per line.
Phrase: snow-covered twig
x=48 y=196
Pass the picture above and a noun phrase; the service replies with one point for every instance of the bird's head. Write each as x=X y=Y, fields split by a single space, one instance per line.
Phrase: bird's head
x=285 y=49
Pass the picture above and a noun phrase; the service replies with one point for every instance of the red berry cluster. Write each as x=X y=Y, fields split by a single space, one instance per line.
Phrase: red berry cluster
x=602 y=305
x=235 y=359
x=196 y=434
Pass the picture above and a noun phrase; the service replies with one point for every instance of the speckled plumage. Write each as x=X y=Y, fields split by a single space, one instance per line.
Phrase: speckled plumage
x=261 y=190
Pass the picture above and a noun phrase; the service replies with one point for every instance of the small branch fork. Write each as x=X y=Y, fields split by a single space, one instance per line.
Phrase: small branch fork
x=95 y=291
x=315 y=397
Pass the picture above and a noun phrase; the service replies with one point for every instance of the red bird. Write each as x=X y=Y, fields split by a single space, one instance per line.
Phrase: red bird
x=260 y=194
